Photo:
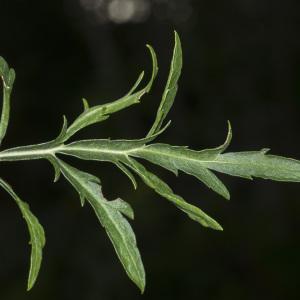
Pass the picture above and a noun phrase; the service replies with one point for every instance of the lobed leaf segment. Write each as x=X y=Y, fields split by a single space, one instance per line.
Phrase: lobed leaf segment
x=113 y=215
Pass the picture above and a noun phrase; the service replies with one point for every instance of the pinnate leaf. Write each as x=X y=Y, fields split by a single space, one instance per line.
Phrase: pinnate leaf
x=128 y=156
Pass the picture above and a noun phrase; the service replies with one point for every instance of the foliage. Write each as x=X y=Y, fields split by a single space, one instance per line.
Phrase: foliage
x=126 y=155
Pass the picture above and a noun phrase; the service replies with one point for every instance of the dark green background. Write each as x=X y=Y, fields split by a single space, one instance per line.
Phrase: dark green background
x=241 y=62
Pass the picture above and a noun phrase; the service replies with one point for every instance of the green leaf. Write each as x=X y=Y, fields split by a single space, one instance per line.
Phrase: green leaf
x=176 y=158
x=170 y=88
x=8 y=77
x=110 y=216
x=37 y=235
x=126 y=154
x=166 y=156
x=165 y=191
x=119 y=151
x=196 y=163
x=256 y=164
x=173 y=158
x=180 y=158
x=100 y=113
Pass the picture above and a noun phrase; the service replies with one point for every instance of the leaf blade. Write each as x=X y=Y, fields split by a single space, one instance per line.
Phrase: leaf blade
x=173 y=158
x=249 y=164
x=37 y=235
x=8 y=77
x=110 y=216
x=102 y=112
x=171 y=87
x=165 y=191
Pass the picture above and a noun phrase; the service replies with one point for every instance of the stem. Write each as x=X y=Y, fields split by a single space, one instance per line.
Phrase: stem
x=30 y=152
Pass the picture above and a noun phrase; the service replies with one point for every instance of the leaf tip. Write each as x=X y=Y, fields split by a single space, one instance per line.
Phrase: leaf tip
x=142 y=289
x=82 y=200
x=30 y=284
x=227 y=196
x=85 y=103
x=264 y=151
x=141 y=284
x=154 y=62
x=215 y=225
x=229 y=134
x=219 y=228
x=177 y=38
x=227 y=142
x=56 y=177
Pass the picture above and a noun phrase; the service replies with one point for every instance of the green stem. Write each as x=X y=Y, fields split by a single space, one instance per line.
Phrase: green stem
x=31 y=152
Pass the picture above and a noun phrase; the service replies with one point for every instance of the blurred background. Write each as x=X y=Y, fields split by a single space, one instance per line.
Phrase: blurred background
x=241 y=62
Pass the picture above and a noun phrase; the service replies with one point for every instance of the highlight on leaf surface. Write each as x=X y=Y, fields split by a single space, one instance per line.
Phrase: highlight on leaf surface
x=128 y=156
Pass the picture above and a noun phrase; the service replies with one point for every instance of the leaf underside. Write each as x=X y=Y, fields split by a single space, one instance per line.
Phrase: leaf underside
x=128 y=156
x=110 y=215
x=36 y=231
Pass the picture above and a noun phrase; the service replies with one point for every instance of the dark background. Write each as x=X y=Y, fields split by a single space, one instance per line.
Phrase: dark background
x=241 y=62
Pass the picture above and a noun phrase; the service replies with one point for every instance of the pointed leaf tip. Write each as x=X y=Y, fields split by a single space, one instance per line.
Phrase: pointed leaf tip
x=136 y=84
x=154 y=68
x=85 y=104
x=228 y=138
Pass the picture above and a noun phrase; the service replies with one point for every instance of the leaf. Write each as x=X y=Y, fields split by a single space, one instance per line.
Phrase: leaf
x=125 y=155
x=176 y=158
x=196 y=163
x=100 y=113
x=166 y=156
x=256 y=164
x=8 y=77
x=119 y=151
x=37 y=235
x=165 y=191
x=173 y=158
x=110 y=216
x=170 y=88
